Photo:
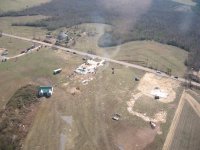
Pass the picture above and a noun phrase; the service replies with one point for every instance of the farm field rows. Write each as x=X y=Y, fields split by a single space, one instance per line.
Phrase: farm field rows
x=187 y=134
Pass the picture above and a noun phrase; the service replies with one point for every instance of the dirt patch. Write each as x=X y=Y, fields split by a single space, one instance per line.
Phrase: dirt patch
x=151 y=81
x=74 y=90
x=161 y=116
x=132 y=139
x=43 y=81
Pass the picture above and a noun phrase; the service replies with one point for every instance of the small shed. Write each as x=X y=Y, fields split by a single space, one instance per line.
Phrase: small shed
x=46 y=91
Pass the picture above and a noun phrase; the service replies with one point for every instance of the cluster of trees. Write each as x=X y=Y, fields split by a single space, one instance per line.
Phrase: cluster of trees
x=164 y=21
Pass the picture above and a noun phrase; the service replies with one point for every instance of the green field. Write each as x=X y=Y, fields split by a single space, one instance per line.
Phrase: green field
x=15 y=5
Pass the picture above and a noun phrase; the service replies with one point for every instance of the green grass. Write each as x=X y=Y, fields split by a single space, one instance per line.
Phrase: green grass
x=15 y=5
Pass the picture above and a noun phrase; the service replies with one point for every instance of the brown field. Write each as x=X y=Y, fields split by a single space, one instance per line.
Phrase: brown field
x=79 y=116
x=83 y=120
x=187 y=133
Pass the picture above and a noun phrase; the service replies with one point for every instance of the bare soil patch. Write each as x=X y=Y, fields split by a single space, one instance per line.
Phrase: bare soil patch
x=133 y=139
x=151 y=81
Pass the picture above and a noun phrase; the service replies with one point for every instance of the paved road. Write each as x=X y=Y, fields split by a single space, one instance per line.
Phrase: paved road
x=100 y=57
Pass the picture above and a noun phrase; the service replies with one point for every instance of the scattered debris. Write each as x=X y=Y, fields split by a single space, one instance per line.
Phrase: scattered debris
x=153 y=85
x=22 y=52
x=176 y=77
x=85 y=82
x=158 y=93
x=57 y=71
x=116 y=117
x=137 y=79
x=152 y=124
x=5 y=52
x=74 y=90
x=89 y=67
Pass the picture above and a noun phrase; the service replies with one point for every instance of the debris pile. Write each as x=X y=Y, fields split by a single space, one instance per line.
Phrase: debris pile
x=157 y=92
x=89 y=67
x=158 y=87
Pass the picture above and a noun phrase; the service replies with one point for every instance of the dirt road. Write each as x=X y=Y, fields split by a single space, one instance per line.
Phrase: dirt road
x=102 y=58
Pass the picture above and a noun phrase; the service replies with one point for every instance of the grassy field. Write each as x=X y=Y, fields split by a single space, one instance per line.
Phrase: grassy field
x=14 y=46
x=90 y=110
x=35 y=67
x=188 y=131
x=82 y=121
x=15 y=5
x=146 y=53
x=170 y=108
x=6 y=26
